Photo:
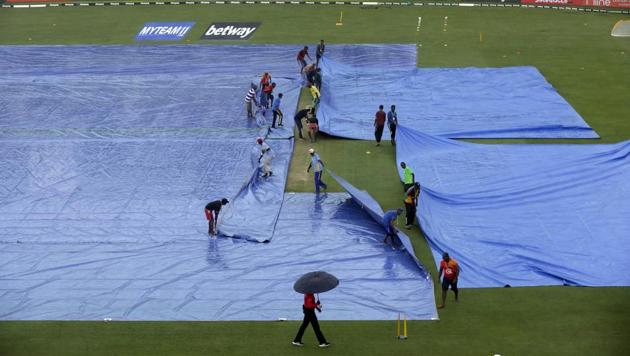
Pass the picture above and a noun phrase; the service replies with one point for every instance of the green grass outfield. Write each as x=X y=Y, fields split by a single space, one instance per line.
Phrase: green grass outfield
x=573 y=50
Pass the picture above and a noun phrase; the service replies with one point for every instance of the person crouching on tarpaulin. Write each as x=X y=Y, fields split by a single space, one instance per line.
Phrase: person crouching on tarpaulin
x=212 y=214
x=388 y=223
x=310 y=318
x=265 y=157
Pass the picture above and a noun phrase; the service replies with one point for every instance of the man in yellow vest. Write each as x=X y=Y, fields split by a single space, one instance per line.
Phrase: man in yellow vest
x=408 y=176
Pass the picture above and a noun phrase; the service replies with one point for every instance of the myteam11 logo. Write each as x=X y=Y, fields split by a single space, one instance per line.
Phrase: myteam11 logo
x=234 y=31
x=164 y=31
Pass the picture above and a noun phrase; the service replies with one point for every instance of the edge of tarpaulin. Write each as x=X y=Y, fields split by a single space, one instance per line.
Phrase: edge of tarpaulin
x=404 y=239
x=264 y=132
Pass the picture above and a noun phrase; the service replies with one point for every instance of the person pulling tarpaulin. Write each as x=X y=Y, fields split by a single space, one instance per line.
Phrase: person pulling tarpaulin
x=212 y=214
x=309 y=284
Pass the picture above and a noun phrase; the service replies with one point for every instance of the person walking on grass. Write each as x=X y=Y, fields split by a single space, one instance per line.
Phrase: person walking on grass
x=411 y=204
x=314 y=94
x=408 y=176
x=389 y=220
x=392 y=122
x=309 y=307
x=313 y=125
x=379 y=124
x=277 y=113
x=450 y=269
x=212 y=214
x=318 y=169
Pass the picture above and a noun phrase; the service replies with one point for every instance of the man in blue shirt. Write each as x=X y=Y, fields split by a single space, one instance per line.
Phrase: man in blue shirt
x=392 y=122
x=277 y=113
x=318 y=169
x=388 y=223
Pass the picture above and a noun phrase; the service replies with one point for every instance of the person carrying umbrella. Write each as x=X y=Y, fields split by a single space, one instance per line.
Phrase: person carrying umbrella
x=310 y=283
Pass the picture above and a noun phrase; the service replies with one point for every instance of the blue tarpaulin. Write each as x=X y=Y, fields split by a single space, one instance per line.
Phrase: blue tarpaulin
x=513 y=102
x=108 y=155
x=130 y=142
x=154 y=89
x=524 y=215
x=221 y=278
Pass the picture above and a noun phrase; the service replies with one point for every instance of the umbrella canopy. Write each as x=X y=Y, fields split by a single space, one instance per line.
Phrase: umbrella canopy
x=315 y=282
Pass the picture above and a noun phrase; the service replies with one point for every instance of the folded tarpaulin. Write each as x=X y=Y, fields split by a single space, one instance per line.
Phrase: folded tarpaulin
x=253 y=212
x=371 y=206
x=512 y=102
x=524 y=215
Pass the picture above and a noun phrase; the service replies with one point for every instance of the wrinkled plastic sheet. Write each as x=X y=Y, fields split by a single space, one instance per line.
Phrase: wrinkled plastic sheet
x=221 y=278
x=524 y=215
x=371 y=206
x=128 y=143
x=252 y=215
x=138 y=89
x=512 y=102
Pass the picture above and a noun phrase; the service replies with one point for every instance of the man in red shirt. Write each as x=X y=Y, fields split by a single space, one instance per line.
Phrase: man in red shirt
x=450 y=268
x=379 y=124
x=300 y=58
x=309 y=317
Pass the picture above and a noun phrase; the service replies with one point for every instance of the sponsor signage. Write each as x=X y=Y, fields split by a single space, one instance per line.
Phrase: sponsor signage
x=164 y=31
x=593 y=3
x=233 y=31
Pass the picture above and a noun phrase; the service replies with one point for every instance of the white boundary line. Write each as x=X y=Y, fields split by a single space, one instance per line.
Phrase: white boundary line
x=310 y=2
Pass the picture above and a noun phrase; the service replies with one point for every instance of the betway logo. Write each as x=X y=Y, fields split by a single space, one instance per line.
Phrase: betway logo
x=164 y=31
x=230 y=31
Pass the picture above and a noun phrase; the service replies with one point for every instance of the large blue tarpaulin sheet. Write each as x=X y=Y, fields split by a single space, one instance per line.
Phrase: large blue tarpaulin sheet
x=221 y=278
x=131 y=88
x=524 y=215
x=107 y=158
x=130 y=142
x=513 y=102
x=111 y=145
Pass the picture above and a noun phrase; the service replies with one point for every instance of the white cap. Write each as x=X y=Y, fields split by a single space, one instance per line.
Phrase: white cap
x=310 y=150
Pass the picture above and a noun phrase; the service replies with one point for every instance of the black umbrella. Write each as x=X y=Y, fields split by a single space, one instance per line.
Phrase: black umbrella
x=315 y=282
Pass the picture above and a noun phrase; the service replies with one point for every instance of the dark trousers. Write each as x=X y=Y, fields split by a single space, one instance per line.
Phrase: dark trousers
x=277 y=114
x=392 y=129
x=318 y=181
x=298 y=124
x=410 y=213
x=379 y=133
x=310 y=318
x=407 y=186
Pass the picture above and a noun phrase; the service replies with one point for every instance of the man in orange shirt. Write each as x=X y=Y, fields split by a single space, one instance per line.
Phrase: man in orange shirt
x=450 y=268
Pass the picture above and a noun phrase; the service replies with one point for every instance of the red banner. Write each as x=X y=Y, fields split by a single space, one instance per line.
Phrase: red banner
x=37 y=1
x=594 y=3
